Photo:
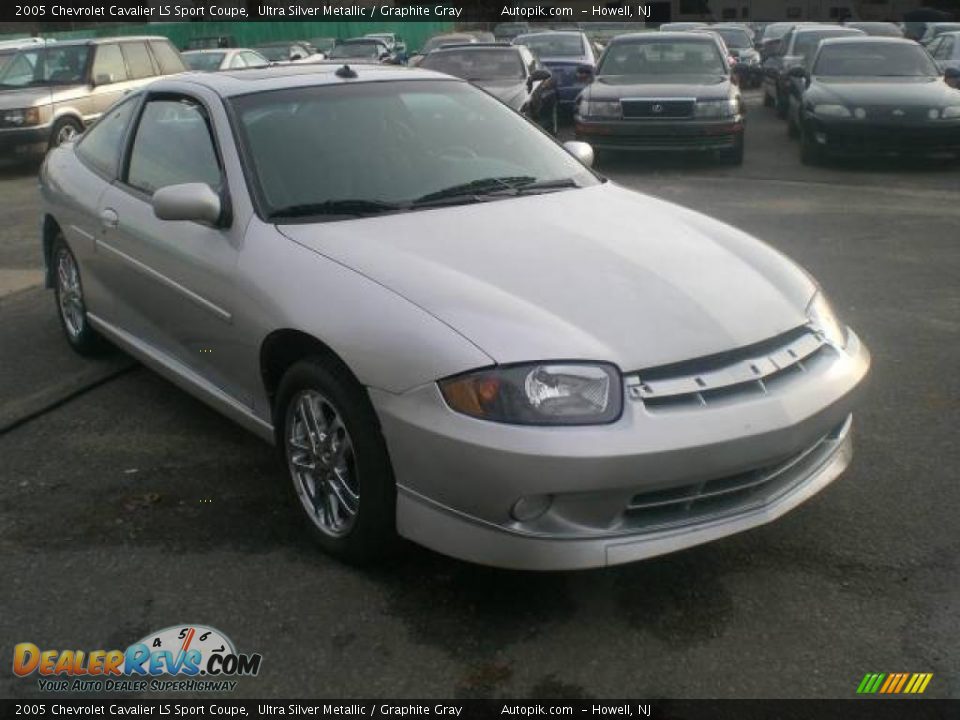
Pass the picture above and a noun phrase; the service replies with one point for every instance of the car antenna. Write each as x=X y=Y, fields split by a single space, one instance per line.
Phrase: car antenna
x=345 y=72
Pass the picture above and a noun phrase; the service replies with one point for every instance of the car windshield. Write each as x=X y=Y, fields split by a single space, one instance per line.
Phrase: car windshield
x=364 y=148
x=275 y=53
x=734 y=37
x=204 y=61
x=64 y=65
x=357 y=50
x=477 y=63
x=440 y=40
x=874 y=60
x=807 y=42
x=776 y=30
x=553 y=44
x=323 y=44
x=663 y=57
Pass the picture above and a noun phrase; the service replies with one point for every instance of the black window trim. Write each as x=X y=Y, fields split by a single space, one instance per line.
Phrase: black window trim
x=222 y=189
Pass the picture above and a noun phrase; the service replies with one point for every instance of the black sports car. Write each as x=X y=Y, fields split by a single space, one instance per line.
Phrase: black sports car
x=510 y=73
x=663 y=91
x=872 y=95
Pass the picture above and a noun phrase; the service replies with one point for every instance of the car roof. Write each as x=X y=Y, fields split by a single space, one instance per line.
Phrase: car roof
x=281 y=77
x=696 y=34
x=868 y=40
x=116 y=39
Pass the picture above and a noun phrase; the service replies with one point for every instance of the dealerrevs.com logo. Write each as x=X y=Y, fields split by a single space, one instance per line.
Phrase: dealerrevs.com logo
x=178 y=658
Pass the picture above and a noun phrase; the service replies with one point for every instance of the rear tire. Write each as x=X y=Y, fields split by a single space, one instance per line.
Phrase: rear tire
x=338 y=469
x=71 y=308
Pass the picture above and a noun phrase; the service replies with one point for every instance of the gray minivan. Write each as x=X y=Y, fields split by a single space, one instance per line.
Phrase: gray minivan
x=50 y=92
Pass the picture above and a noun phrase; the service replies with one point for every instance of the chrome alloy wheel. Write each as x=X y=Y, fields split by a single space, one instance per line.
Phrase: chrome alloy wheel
x=69 y=294
x=322 y=463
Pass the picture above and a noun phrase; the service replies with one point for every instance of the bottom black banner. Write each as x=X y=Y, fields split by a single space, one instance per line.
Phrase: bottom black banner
x=866 y=709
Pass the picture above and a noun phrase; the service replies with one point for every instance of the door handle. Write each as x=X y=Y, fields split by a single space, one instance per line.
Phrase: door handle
x=109 y=218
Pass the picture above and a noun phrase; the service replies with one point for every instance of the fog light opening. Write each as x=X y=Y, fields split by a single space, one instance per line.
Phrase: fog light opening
x=530 y=507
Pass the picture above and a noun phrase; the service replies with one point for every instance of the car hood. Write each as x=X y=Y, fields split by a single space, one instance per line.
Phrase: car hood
x=600 y=273
x=615 y=87
x=511 y=92
x=11 y=99
x=926 y=92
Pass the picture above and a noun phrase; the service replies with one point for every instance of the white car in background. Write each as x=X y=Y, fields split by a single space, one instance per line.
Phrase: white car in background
x=223 y=59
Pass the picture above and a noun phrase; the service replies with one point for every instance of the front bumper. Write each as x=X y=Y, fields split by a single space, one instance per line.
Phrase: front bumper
x=860 y=138
x=611 y=490
x=681 y=135
x=22 y=139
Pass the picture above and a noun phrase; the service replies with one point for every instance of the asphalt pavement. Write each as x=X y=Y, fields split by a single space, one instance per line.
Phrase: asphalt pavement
x=126 y=506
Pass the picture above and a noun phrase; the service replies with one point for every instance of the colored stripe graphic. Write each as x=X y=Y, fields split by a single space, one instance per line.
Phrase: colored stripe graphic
x=894 y=683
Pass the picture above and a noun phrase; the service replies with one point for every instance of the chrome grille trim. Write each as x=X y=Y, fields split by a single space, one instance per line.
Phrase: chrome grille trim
x=747 y=372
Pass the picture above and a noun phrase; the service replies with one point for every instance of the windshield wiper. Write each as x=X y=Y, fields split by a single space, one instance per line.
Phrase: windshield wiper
x=475 y=188
x=356 y=207
x=543 y=185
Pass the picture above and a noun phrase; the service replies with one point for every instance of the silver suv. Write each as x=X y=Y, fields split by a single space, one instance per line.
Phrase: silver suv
x=49 y=92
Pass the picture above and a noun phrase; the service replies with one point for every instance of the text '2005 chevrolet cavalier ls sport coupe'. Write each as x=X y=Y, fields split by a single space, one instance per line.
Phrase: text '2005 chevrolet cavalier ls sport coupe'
x=453 y=330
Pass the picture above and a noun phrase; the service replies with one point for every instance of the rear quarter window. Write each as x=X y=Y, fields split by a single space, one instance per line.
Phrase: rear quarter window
x=167 y=57
x=138 y=59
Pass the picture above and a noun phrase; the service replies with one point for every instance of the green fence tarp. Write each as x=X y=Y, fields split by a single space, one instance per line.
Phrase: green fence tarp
x=247 y=34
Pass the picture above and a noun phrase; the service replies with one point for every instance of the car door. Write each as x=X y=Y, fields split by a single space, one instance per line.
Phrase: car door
x=176 y=292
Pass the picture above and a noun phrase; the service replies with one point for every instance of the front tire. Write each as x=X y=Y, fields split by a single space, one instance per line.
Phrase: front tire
x=337 y=462
x=64 y=130
x=71 y=308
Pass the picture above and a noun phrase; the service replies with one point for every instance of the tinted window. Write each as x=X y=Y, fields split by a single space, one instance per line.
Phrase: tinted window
x=173 y=145
x=663 y=57
x=167 y=57
x=391 y=142
x=108 y=65
x=807 y=42
x=138 y=60
x=370 y=49
x=101 y=144
x=275 y=53
x=734 y=37
x=553 y=44
x=53 y=66
x=875 y=60
x=477 y=64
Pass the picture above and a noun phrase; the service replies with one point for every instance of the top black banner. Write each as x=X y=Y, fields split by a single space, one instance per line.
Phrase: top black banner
x=545 y=12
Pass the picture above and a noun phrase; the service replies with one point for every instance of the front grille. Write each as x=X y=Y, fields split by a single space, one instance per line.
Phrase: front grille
x=734 y=493
x=654 y=109
x=896 y=113
x=754 y=370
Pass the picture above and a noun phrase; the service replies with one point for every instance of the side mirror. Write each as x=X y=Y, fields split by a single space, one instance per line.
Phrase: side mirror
x=581 y=151
x=196 y=202
x=102 y=79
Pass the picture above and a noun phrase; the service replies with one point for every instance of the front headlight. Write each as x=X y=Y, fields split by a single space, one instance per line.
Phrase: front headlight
x=549 y=393
x=601 y=109
x=26 y=116
x=951 y=113
x=831 y=111
x=716 y=108
x=824 y=321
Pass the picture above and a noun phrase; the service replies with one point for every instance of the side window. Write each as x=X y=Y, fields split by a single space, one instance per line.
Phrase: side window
x=254 y=60
x=168 y=58
x=138 y=60
x=173 y=145
x=945 y=51
x=108 y=65
x=238 y=61
x=101 y=145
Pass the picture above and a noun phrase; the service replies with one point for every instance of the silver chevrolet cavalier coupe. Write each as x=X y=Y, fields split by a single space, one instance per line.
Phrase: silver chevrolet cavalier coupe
x=452 y=329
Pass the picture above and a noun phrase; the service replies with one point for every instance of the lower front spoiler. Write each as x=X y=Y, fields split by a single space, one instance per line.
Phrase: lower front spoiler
x=682 y=135
x=459 y=535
